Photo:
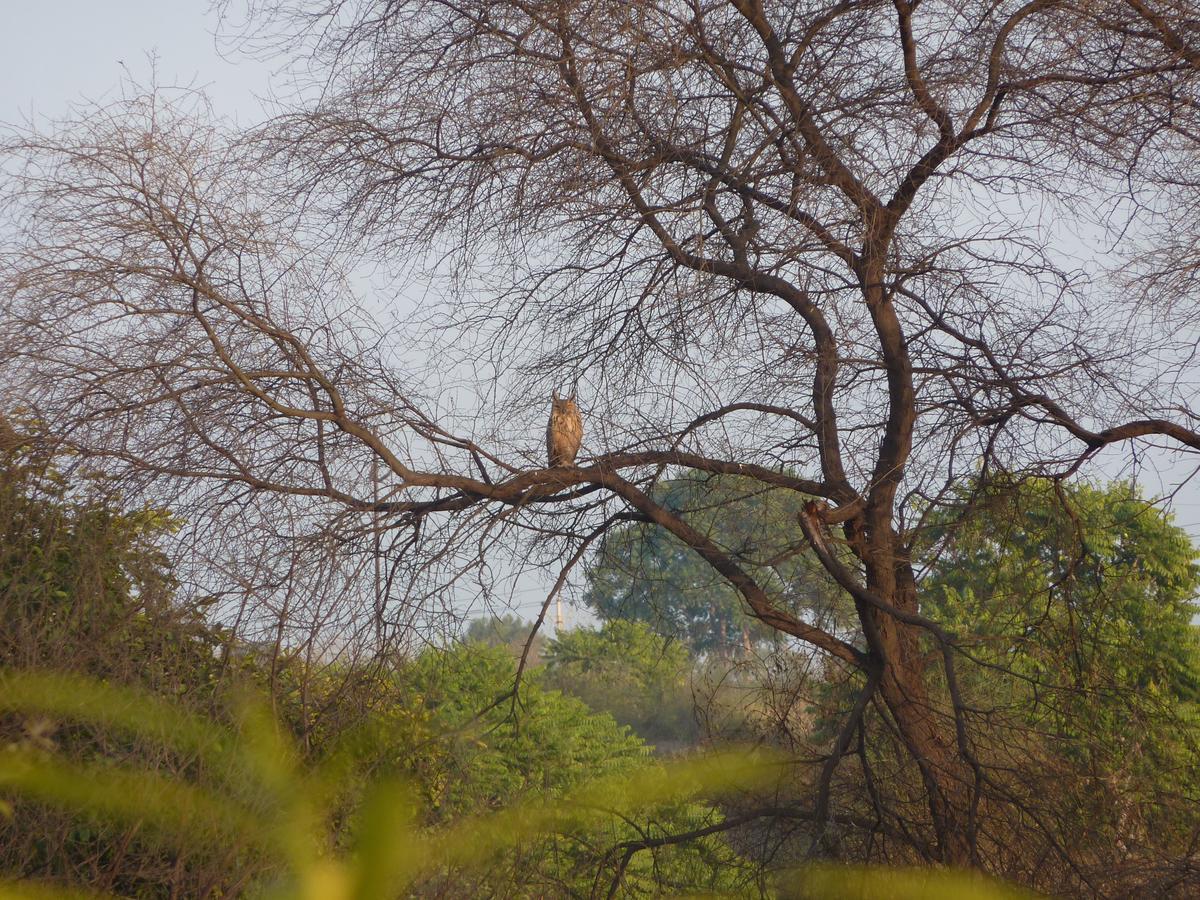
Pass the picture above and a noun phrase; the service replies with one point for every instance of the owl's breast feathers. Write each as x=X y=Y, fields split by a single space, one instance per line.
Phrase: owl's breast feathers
x=564 y=434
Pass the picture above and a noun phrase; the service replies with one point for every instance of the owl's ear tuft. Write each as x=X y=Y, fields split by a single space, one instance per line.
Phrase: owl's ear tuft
x=554 y=394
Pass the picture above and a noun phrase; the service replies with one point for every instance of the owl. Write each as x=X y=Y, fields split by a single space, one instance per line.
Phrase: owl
x=564 y=432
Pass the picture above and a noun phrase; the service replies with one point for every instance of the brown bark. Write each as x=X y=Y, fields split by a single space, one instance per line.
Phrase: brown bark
x=923 y=724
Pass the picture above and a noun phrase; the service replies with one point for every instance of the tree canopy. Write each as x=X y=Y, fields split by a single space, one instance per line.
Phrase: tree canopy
x=644 y=573
x=1076 y=611
x=639 y=677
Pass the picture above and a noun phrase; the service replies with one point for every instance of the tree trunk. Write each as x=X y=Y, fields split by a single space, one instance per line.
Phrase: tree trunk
x=926 y=727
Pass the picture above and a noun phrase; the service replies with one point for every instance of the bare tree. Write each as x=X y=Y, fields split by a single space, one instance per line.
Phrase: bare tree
x=847 y=249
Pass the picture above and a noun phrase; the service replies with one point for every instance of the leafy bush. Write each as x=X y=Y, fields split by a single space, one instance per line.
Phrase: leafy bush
x=628 y=670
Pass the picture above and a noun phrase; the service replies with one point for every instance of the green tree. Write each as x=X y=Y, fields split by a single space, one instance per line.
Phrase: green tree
x=498 y=630
x=85 y=588
x=626 y=669
x=1102 y=583
x=546 y=742
x=443 y=731
x=644 y=573
x=1074 y=605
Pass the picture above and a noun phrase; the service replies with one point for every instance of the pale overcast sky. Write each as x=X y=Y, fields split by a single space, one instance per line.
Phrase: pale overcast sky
x=57 y=52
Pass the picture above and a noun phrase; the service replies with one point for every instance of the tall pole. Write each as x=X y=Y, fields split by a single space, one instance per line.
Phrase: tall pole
x=375 y=552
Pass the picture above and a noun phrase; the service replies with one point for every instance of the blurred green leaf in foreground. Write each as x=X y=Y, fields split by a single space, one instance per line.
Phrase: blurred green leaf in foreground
x=268 y=802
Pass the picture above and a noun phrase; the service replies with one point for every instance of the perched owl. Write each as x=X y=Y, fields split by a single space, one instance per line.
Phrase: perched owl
x=564 y=432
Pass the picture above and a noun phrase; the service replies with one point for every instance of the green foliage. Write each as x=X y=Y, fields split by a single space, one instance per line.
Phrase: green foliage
x=85 y=585
x=503 y=630
x=644 y=573
x=1075 y=607
x=452 y=730
x=539 y=741
x=137 y=794
x=858 y=883
x=271 y=802
x=1095 y=584
x=630 y=671
x=86 y=588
